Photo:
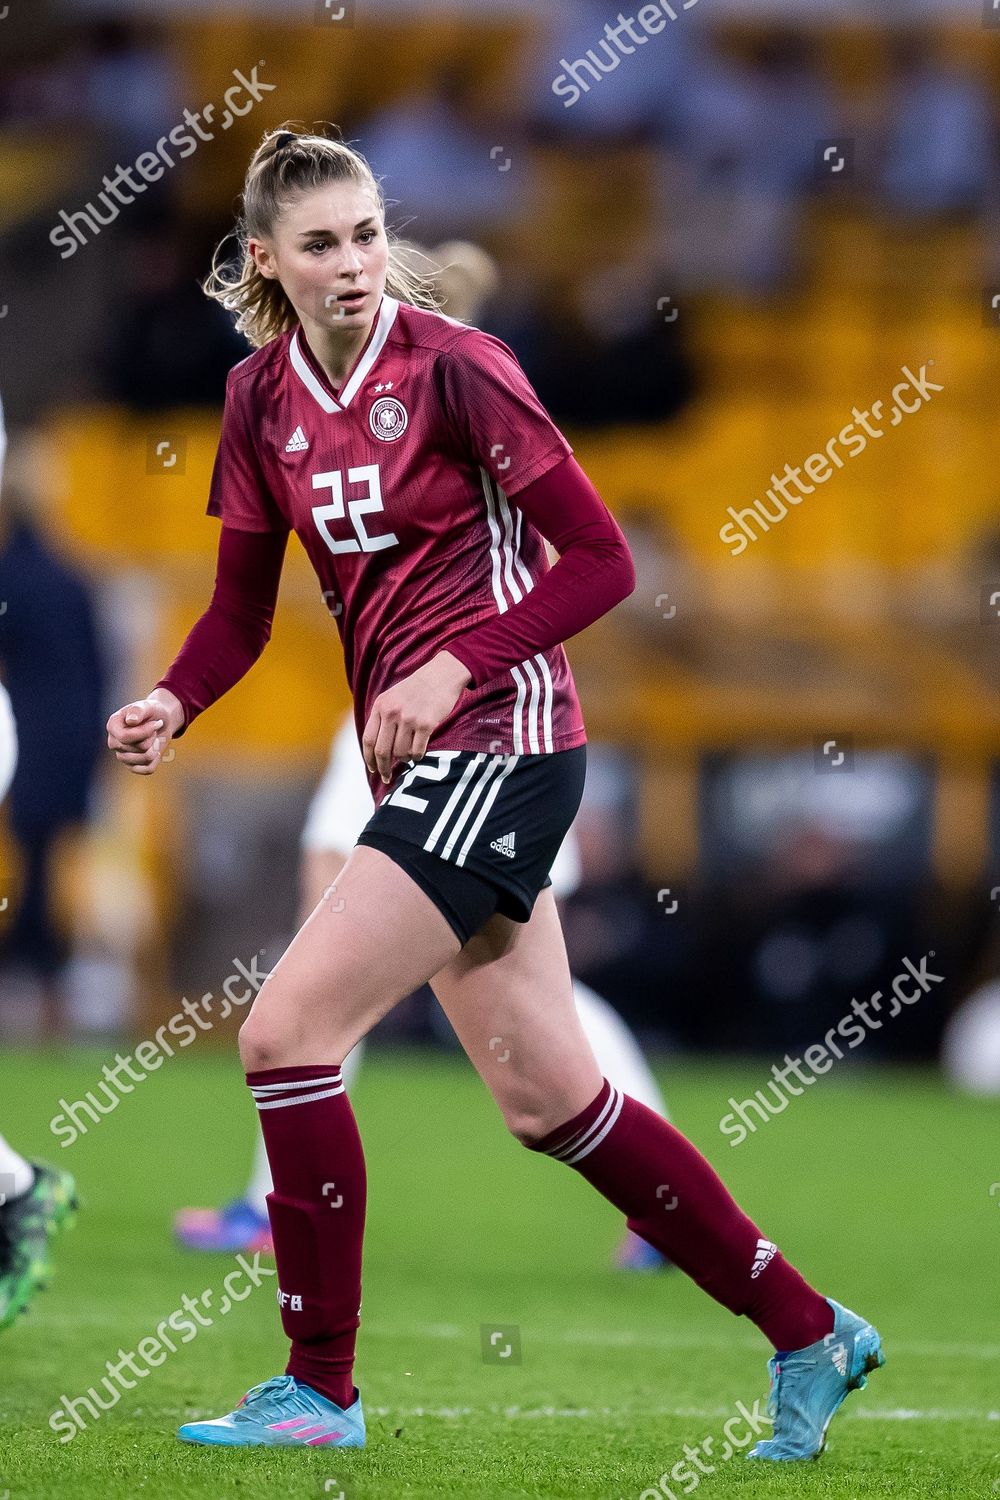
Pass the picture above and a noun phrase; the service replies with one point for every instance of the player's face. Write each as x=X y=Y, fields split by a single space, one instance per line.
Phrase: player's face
x=330 y=253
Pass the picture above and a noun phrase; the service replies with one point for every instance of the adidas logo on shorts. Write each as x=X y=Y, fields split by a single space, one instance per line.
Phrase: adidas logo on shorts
x=504 y=845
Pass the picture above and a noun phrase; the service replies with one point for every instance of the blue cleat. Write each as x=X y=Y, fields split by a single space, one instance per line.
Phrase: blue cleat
x=635 y=1254
x=808 y=1385
x=238 y=1226
x=281 y=1413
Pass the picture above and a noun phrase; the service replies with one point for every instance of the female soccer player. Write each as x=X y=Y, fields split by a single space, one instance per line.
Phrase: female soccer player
x=415 y=463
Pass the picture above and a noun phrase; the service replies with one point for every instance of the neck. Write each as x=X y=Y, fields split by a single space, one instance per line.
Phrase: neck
x=336 y=349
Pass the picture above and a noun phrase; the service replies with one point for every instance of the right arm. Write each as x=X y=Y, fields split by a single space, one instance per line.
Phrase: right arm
x=220 y=649
x=235 y=628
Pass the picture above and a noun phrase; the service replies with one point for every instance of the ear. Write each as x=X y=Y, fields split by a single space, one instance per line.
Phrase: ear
x=263 y=259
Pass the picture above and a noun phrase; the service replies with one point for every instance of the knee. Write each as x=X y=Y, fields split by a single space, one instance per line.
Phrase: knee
x=262 y=1046
x=528 y=1126
x=532 y=1113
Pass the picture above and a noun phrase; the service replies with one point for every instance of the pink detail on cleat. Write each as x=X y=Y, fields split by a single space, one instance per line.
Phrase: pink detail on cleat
x=292 y=1422
x=328 y=1437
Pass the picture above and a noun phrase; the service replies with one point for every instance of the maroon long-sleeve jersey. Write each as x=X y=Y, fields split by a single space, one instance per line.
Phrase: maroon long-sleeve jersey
x=401 y=486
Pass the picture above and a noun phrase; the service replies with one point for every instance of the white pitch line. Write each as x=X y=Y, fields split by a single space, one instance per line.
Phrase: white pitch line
x=625 y=1338
x=590 y=1413
x=699 y=1413
x=936 y=1414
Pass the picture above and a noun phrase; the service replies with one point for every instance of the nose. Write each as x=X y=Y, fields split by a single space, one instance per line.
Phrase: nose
x=351 y=263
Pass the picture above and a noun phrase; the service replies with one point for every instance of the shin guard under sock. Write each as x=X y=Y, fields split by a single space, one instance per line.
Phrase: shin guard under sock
x=317 y=1213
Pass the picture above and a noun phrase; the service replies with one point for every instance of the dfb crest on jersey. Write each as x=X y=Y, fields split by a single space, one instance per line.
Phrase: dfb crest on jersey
x=388 y=419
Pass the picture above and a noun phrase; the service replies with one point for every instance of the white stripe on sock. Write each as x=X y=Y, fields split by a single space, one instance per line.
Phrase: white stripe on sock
x=305 y=1099
x=302 y=1083
x=583 y=1135
x=572 y=1160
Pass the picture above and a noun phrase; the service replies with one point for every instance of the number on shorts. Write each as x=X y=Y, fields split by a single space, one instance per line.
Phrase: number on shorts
x=400 y=797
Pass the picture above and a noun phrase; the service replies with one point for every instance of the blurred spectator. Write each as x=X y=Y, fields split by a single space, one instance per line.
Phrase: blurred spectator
x=619 y=938
x=747 y=130
x=443 y=171
x=970 y=1048
x=636 y=95
x=114 y=78
x=941 y=148
x=813 y=880
x=469 y=278
x=53 y=672
x=167 y=343
x=602 y=351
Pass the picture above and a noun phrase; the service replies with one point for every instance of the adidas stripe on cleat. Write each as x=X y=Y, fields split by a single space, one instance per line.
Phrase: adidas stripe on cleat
x=809 y=1385
x=281 y=1413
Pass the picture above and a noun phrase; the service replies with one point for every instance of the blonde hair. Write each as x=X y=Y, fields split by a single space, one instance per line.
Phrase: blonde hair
x=288 y=161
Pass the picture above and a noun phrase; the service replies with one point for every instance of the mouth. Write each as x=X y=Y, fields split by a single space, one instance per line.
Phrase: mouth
x=351 y=299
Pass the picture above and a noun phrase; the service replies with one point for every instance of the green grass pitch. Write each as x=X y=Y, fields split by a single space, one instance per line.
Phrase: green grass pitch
x=876 y=1184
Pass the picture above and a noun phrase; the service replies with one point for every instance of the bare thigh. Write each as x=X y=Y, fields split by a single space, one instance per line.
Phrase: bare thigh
x=373 y=938
x=509 y=995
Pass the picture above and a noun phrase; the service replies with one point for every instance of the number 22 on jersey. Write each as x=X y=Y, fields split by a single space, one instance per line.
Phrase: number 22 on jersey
x=357 y=509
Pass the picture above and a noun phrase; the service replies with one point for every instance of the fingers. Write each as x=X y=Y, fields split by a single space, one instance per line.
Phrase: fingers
x=389 y=741
x=142 y=764
x=384 y=751
x=368 y=740
x=134 y=734
x=134 y=726
x=418 y=749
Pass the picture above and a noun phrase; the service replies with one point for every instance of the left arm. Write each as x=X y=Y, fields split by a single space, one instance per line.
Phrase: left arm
x=594 y=572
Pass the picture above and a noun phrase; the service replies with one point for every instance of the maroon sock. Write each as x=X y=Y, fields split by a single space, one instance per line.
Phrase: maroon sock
x=317 y=1213
x=673 y=1199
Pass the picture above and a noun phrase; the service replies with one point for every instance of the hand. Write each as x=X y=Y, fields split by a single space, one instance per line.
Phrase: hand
x=140 y=732
x=404 y=717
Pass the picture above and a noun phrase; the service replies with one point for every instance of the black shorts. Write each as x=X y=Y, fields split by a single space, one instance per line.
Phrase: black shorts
x=479 y=832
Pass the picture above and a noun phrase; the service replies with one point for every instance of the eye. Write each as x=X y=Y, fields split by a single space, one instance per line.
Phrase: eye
x=367 y=235
x=317 y=245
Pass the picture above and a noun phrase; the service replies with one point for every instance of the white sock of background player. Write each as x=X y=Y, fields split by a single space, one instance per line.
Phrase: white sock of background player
x=16 y=1174
x=618 y=1054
